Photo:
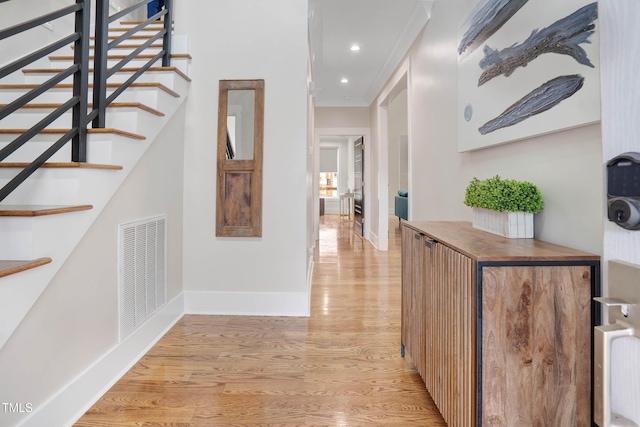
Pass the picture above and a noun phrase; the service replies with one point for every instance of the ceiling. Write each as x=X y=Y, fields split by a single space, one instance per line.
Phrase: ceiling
x=384 y=30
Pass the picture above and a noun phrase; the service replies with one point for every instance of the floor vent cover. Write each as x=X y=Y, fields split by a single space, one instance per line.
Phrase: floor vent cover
x=142 y=271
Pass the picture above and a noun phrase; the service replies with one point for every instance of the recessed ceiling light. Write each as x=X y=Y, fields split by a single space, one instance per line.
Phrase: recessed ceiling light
x=344 y=80
x=355 y=48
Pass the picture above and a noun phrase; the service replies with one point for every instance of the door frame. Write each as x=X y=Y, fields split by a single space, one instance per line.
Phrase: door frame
x=399 y=81
x=359 y=191
x=319 y=132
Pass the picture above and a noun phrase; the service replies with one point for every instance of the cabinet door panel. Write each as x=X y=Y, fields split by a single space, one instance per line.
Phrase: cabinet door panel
x=536 y=346
x=407 y=266
x=418 y=278
x=451 y=361
x=413 y=304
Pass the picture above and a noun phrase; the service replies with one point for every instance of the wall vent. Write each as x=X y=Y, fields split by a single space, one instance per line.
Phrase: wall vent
x=142 y=271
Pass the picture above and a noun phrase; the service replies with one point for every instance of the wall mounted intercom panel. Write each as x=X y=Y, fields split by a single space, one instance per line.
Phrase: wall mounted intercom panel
x=623 y=190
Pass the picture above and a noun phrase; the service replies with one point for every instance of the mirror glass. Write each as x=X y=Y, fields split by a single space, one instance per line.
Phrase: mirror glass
x=240 y=124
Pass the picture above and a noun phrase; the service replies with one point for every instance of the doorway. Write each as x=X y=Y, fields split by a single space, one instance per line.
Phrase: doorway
x=398 y=157
x=398 y=88
x=325 y=137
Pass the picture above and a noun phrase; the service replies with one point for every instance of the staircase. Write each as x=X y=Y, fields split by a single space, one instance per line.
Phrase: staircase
x=43 y=220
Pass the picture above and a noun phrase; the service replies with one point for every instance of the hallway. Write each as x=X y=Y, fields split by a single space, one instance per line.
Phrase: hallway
x=339 y=367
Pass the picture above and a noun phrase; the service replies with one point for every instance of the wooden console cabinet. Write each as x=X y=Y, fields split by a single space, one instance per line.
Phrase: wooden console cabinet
x=499 y=329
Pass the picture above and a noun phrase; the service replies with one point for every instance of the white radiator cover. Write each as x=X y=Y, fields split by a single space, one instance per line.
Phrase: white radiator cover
x=142 y=271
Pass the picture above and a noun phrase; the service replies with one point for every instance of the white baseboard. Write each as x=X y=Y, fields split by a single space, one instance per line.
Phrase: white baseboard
x=247 y=303
x=310 y=265
x=71 y=402
x=375 y=241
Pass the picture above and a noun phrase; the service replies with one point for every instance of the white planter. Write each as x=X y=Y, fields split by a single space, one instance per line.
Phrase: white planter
x=514 y=225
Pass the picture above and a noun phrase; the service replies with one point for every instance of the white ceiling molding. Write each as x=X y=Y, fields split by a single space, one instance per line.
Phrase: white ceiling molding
x=419 y=19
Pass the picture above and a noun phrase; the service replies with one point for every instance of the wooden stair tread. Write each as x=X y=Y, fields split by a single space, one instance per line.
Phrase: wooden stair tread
x=90 y=131
x=8 y=267
x=143 y=56
x=122 y=70
x=29 y=86
x=133 y=104
x=40 y=210
x=52 y=165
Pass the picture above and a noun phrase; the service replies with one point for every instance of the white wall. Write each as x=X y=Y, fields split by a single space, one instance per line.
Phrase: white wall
x=341 y=117
x=16 y=12
x=255 y=40
x=75 y=321
x=567 y=166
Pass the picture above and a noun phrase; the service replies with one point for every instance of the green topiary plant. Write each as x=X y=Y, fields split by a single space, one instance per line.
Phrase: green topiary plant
x=504 y=195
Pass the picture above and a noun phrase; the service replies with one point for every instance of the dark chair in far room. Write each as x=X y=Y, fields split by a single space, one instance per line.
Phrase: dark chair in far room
x=402 y=205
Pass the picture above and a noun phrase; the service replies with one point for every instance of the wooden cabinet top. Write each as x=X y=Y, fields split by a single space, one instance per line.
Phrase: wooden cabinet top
x=482 y=246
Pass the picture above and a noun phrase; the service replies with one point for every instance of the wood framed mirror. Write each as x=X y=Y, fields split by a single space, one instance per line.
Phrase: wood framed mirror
x=239 y=164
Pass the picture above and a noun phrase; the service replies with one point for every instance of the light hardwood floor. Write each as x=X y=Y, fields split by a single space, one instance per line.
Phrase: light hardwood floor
x=339 y=367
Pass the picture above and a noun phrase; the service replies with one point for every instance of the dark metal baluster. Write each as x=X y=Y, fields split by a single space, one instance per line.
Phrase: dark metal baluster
x=81 y=82
x=100 y=63
x=168 y=24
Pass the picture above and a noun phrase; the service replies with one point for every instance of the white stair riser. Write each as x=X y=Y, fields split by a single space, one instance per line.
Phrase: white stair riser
x=120 y=118
x=17 y=239
x=132 y=41
x=110 y=63
x=148 y=31
x=146 y=95
x=44 y=187
x=180 y=63
x=165 y=78
x=99 y=148
x=126 y=27
x=61 y=186
x=28 y=237
x=153 y=49
x=65 y=63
